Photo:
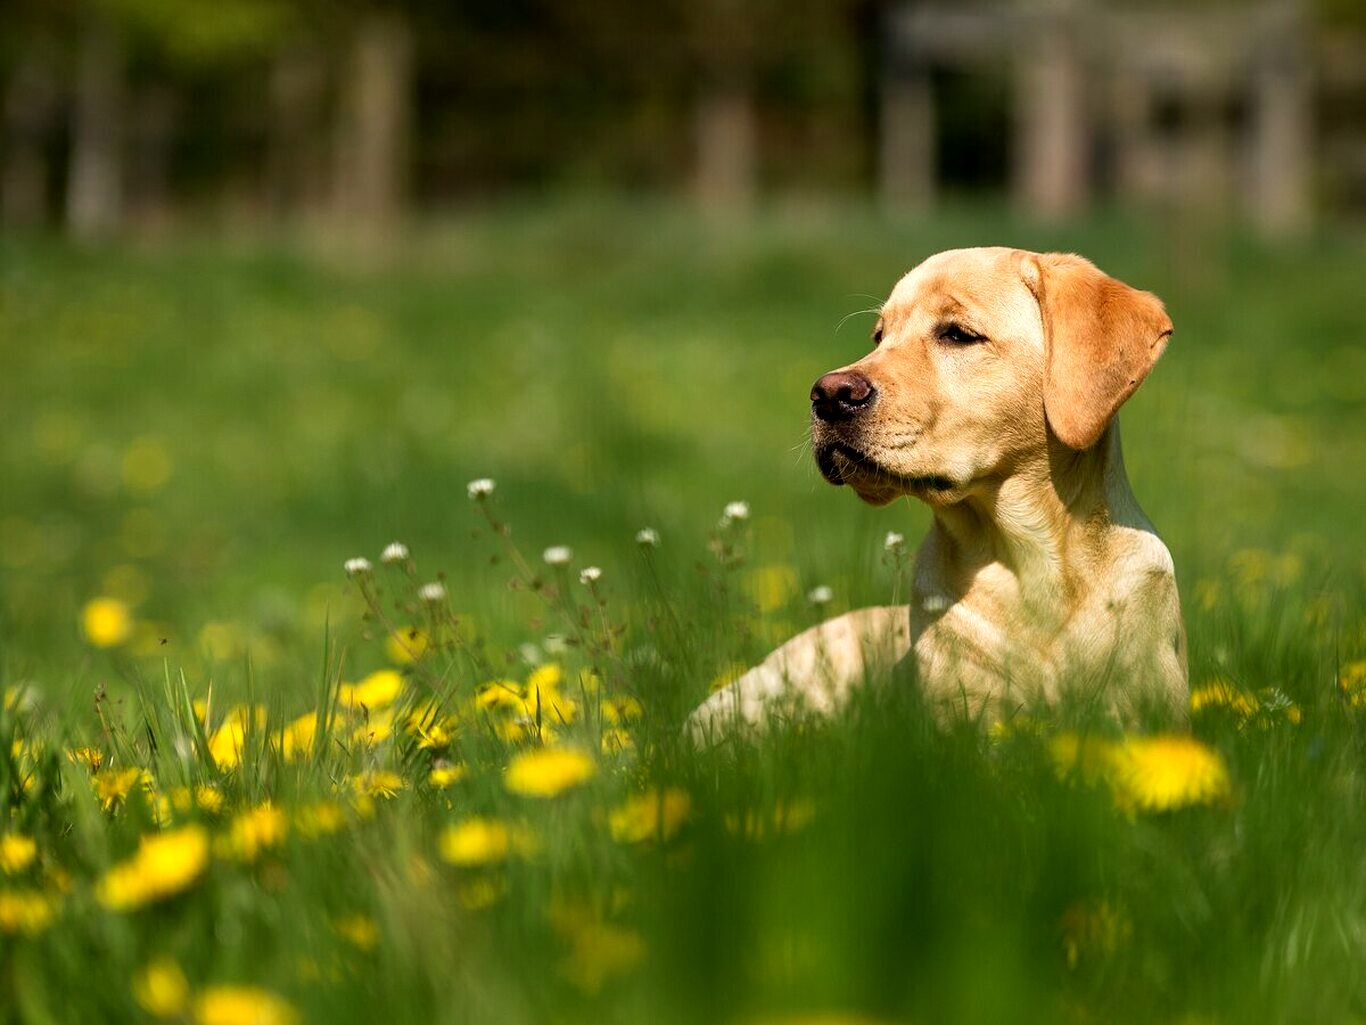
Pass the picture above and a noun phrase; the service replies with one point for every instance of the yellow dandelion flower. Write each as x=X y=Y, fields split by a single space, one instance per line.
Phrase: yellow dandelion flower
x=499 y=696
x=377 y=783
x=616 y=741
x=405 y=645
x=1089 y=758
x=90 y=757
x=436 y=737
x=482 y=841
x=433 y=728
x=208 y=798
x=510 y=731
x=545 y=677
x=227 y=742
x=443 y=776
x=25 y=912
x=253 y=831
x=111 y=786
x=296 y=739
x=655 y=815
x=1162 y=773
x=107 y=622
x=1220 y=695
x=242 y=1005
x=548 y=771
x=204 y=797
x=17 y=852
x=549 y=705
x=375 y=729
x=376 y=691
x=321 y=818
x=623 y=708
x=161 y=988
x=358 y=930
x=164 y=865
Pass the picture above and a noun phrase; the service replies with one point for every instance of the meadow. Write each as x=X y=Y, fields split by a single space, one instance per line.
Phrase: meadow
x=245 y=782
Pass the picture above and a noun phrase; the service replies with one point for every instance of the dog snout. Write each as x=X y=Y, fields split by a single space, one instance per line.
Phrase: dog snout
x=840 y=394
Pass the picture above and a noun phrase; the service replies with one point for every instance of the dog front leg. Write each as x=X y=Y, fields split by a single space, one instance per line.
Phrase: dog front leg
x=813 y=672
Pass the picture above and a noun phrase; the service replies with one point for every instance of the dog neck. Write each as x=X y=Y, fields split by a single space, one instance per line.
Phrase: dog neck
x=1046 y=522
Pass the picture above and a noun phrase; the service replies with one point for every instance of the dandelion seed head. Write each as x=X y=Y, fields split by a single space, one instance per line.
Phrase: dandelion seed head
x=557 y=555
x=357 y=567
x=433 y=592
x=894 y=542
x=590 y=575
x=395 y=551
x=647 y=537
x=821 y=595
x=481 y=488
x=735 y=512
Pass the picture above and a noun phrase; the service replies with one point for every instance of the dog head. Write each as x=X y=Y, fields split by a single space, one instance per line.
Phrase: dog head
x=980 y=355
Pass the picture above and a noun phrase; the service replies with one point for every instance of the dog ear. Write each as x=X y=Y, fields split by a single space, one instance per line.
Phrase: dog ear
x=1102 y=338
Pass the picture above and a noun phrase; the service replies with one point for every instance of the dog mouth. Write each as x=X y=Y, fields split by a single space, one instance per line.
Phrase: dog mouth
x=841 y=463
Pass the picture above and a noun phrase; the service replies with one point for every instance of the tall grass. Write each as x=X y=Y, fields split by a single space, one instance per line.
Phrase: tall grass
x=203 y=437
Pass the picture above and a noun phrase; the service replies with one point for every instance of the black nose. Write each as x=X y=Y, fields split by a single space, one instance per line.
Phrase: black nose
x=840 y=394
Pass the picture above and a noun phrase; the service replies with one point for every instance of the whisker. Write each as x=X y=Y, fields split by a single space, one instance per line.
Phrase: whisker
x=856 y=313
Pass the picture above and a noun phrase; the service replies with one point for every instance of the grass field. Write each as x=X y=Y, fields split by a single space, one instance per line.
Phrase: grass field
x=197 y=434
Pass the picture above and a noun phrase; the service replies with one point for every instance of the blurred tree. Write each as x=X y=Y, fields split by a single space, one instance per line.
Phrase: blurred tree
x=28 y=127
x=114 y=119
x=725 y=35
x=94 y=185
x=377 y=89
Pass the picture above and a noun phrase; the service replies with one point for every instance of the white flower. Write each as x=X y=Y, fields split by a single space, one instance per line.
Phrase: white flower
x=395 y=551
x=736 y=511
x=590 y=575
x=647 y=537
x=433 y=592
x=820 y=595
x=559 y=555
x=481 y=488
x=357 y=567
x=895 y=542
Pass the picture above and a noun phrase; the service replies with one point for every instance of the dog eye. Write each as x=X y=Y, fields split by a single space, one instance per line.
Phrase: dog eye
x=956 y=334
x=877 y=334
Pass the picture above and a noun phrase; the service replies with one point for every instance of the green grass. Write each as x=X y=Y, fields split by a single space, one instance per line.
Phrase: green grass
x=205 y=431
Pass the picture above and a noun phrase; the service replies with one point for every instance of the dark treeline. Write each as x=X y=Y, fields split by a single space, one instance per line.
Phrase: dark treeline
x=121 y=112
x=131 y=109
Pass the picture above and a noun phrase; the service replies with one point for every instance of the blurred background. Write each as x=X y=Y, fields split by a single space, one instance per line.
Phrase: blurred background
x=134 y=115
x=277 y=277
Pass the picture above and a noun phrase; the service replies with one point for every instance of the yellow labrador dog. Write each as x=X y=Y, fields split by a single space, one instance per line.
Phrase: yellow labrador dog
x=990 y=395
